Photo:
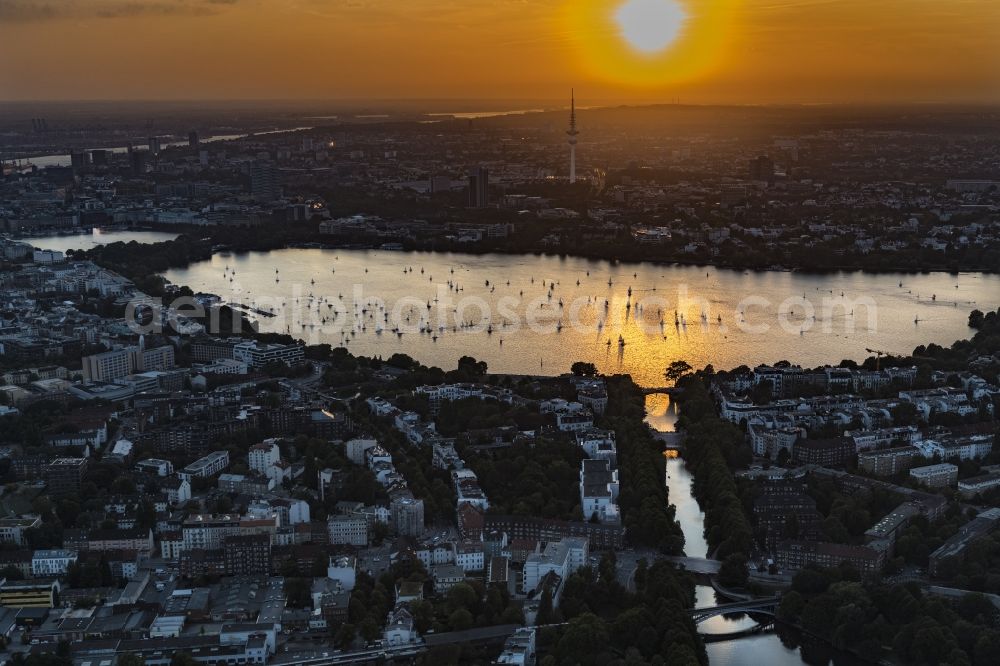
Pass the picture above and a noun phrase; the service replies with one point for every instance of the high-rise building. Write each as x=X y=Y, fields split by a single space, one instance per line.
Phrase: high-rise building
x=408 y=516
x=108 y=366
x=479 y=188
x=154 y=145
x=137 y=160
x=193 y=140
x=264 y=183
x=79 y=160
x=65 y=475
x=762 y=168
x=111 y=365
x=572 y=132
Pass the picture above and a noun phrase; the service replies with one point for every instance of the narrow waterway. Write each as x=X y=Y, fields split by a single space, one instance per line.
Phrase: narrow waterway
x=782 y=647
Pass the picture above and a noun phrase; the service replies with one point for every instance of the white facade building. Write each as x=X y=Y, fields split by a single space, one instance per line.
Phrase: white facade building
x=355 y=449
x=52 y=563
x=263 y=455
x=562 y=557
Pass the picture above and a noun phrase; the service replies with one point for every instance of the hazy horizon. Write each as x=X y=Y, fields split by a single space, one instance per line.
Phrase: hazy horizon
x=513 y=105
x=711 y=52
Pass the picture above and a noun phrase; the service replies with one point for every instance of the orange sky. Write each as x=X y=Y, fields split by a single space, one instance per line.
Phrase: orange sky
x=751 y=51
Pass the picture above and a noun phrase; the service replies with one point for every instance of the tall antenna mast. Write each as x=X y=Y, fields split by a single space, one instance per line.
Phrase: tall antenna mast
x=572 y=132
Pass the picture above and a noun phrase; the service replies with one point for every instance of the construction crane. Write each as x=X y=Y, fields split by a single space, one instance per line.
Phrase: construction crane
x=878 y=357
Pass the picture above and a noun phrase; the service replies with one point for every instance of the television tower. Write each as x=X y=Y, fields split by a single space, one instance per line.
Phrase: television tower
x=572 y=132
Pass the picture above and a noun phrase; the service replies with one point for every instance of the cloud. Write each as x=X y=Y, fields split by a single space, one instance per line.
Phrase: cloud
x=43 y=10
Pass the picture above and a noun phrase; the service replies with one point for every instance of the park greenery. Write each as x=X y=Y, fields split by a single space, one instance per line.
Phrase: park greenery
x=648 y=516
x=876 y=621
x=539 y=478
x=607 y=624
x=712 y=448
x=464 y=606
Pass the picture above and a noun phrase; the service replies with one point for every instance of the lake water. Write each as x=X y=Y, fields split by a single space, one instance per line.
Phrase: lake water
x=97 y=237
x=783 y=646
x=538 y=314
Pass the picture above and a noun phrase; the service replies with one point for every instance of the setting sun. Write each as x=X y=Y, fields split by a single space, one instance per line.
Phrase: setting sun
x=650 y=43
x=650 y=25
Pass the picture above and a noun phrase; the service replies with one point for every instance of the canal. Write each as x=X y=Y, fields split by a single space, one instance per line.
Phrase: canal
x=783 y=646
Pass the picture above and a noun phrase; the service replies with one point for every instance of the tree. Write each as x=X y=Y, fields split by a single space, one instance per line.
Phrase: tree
x=461 y=596
x=791 y=606
x=379 y=533
x=423 y=615
x=11 y=572
x=182 y=659
x=123 y=485
x=733 y=572
x=223 y=504
x=469 y=369
x=298 y=592
x=545 y=615
x=975 y=606
x=583 y=369
x=584 y=641
x=345 y=636
x=676 y=370
x=145 y=515
x=987 y=649
x=460 y=620
x=370 y=630
x=129 y=659
x=762 y=392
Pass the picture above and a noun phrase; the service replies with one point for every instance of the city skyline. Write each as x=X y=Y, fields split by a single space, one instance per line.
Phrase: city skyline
x=753 y=52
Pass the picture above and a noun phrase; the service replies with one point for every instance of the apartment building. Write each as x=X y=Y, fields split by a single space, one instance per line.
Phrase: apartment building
x=943 y=475
x=207 y=466
x=348 y=530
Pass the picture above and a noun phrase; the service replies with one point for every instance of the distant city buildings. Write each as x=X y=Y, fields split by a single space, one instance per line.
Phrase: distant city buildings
x=215 y=482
